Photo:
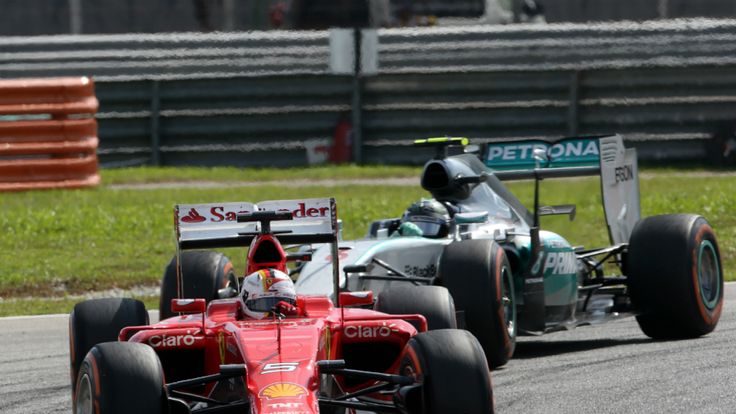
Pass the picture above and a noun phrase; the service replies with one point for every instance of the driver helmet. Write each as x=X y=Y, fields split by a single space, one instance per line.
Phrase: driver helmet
x=263 y=289
x=430 y=216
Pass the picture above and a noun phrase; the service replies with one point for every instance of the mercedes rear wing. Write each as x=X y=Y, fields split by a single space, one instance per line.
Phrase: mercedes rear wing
x=217 y=225
x=605 y=156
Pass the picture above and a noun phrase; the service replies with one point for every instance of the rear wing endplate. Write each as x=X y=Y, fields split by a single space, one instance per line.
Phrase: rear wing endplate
x=605 y=156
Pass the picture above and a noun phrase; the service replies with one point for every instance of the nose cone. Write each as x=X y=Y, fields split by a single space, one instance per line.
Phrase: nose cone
x=280 y=356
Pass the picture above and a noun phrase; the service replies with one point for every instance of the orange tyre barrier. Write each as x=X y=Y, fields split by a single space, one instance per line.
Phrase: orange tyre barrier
x=48 y=134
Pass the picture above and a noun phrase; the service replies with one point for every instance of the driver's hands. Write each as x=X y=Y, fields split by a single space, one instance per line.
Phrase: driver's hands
x=286 y=309
x=408 y=229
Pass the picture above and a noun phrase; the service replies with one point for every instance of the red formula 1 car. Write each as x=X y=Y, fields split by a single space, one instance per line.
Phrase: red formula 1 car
x=323 y=357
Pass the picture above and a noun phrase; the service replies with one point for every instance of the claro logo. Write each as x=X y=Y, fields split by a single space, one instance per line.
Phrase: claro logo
x=165 y=341
x=355 y=331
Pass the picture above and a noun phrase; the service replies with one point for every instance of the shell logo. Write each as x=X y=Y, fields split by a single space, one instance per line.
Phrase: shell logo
x=283 y=390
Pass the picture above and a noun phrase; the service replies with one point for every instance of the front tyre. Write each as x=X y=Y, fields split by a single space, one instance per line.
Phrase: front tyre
x=100 y=320
x=453 y=372
x=120 y=377
x=478 y=275
x=675 y=276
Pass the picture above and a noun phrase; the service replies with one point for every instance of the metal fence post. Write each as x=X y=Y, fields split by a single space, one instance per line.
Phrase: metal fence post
x=155 y=110
x=228 y=8
x=357 y=104
x=573 y=121
x=75 y=16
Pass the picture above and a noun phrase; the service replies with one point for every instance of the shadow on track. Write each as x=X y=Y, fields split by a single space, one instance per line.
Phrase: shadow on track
x=538 y=349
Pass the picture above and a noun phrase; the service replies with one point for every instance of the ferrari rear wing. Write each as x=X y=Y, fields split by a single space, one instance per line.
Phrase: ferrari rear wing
x=605 y=156
x=219 y=225
x=215 y=225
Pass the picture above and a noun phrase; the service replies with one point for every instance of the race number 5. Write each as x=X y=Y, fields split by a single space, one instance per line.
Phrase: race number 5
x=279 y=367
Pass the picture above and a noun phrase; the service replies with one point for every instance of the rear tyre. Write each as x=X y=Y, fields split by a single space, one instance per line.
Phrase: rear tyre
x=433 y=302
x=452 y=368
x=205 y=273
x=478 y=275
x=121 y=377
x=674 y=276
x=100 y=320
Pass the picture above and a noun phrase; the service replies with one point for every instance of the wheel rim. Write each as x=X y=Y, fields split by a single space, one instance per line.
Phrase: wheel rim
x=507 y=299
x=84 y=402
x=709 y=274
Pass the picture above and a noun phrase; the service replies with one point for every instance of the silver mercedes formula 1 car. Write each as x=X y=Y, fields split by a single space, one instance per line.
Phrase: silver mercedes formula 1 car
x=507 y=276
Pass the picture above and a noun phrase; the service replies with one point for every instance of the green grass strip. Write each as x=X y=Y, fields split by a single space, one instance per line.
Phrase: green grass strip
x=60 y=243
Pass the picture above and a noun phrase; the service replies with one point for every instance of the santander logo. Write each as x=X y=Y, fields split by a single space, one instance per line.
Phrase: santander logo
x=303 y=212
x=193 y=217
x=219 y=213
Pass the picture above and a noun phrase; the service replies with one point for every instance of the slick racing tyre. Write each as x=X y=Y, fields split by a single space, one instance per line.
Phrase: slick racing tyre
x=120 y=377
x=204 y=273
x=478 y=275
x=675 y=276
x=433 y=302
x=452 y=370
x=100 y=320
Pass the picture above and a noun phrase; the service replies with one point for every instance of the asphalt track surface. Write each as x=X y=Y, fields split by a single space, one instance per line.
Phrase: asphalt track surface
x=610 y=368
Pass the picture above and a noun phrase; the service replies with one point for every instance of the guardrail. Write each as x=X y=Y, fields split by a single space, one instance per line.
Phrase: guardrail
x=266 y=98
x=558 y=46
x=158 y=56
x=48 y=136
x=435 y=49
x=243 y=121
x=666 y=112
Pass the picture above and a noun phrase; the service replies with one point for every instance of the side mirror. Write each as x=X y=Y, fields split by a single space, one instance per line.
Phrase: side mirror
x=356 y=298
x=471 y=179
x=188 y=305
x=568 y=209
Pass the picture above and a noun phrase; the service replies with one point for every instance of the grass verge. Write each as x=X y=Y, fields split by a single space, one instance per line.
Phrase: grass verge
x=60 y=243
x=49 y=306
x=231 y=174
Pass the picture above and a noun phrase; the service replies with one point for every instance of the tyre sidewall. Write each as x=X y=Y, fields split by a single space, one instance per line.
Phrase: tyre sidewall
x=473 y=270
x=451 y=365
x=706 y=318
